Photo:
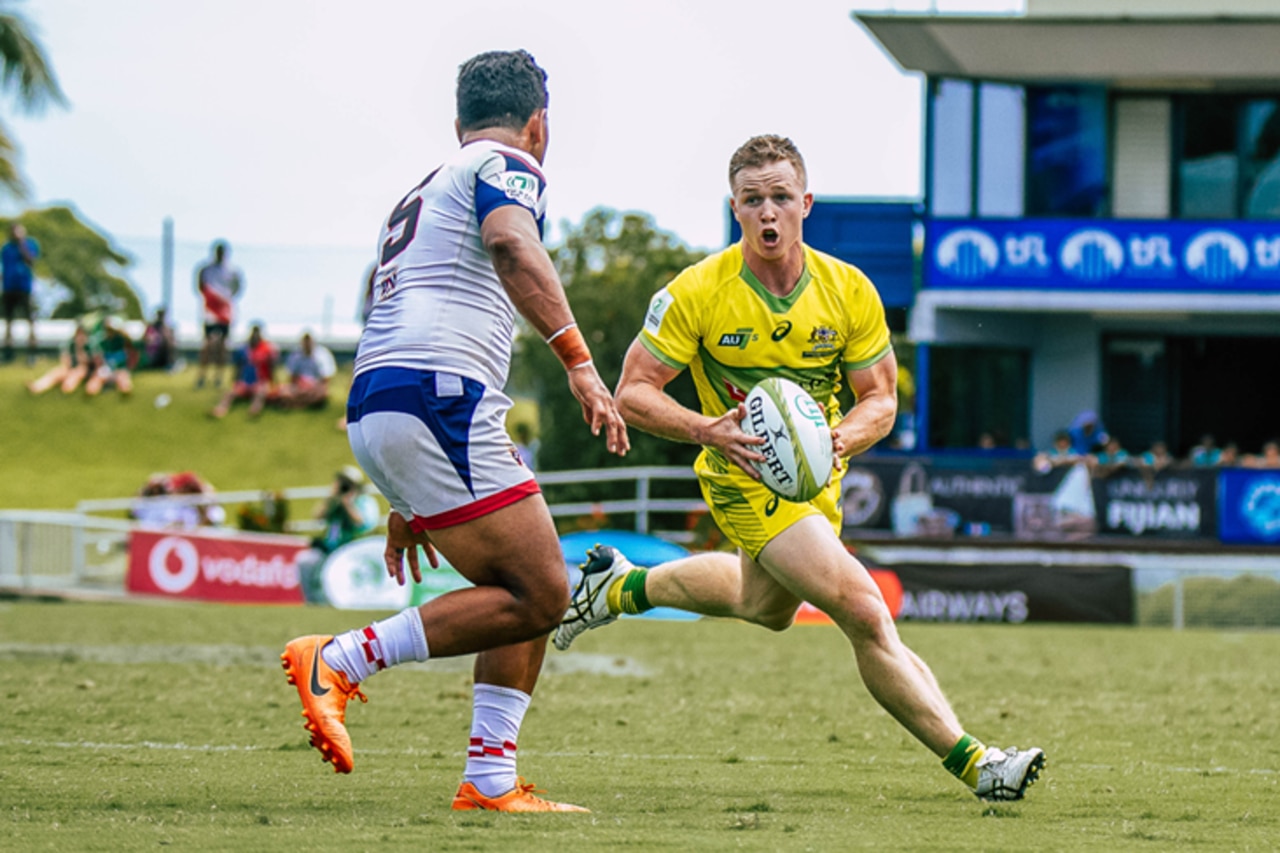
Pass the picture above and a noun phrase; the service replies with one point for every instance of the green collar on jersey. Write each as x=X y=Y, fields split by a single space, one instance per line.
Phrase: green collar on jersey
x=777 y=304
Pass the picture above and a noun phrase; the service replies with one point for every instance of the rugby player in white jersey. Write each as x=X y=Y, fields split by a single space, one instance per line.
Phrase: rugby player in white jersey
x=458 y=257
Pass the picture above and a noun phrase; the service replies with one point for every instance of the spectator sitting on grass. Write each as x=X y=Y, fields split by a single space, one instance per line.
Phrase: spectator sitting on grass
x=159 y=348
x=165 y=501
x=117 y=356
x=75 y=361
x=254 y=366
x=310 y=367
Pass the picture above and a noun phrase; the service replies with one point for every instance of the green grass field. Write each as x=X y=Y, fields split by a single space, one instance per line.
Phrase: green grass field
x=136 y=726
x=61 y=449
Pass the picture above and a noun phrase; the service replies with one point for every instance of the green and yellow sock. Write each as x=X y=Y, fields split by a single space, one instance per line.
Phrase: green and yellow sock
x=626 y=595
x=962 y=761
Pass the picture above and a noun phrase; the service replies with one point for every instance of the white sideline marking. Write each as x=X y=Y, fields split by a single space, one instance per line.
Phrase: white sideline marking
x=227 y=654
x=623 y=756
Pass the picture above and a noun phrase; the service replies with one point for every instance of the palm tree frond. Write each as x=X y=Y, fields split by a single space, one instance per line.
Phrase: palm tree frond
x=10 y=178
x=26 y=70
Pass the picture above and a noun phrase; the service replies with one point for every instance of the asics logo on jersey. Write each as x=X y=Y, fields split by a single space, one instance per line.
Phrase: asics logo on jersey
x=781 y=331
x=771 y=507
x=738 y=339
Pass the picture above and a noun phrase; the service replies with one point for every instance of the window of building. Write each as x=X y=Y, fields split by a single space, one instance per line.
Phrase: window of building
x=975 y=391
x=1261 y=158
x=951 y=149
x=1209 y=161
x=1228 y=163
x=1001 y=149
x=1066 y=151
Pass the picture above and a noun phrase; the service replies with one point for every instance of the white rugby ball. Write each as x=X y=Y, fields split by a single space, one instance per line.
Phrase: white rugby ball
x=797 y=441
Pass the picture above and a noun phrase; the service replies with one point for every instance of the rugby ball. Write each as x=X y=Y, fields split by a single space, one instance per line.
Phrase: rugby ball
x=797 y=441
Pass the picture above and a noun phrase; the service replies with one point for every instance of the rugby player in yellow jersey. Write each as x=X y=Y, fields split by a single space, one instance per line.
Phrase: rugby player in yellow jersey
x=771 y=306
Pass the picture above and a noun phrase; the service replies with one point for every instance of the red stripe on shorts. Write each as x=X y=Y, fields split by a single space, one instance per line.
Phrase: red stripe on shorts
x=472 y=511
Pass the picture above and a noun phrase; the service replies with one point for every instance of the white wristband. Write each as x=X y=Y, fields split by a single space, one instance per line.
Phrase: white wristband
x=558 y=332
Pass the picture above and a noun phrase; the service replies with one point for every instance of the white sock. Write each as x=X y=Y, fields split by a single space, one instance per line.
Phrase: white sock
x=496 y=715
x=359 y=654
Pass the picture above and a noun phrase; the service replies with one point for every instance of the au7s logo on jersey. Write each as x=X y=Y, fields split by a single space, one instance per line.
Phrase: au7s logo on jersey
x=738 y=339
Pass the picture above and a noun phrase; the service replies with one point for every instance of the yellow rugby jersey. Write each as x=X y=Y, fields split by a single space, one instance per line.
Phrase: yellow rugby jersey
x=718 y=319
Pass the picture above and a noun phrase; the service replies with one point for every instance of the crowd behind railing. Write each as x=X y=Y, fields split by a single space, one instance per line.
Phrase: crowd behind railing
x=1088 y=441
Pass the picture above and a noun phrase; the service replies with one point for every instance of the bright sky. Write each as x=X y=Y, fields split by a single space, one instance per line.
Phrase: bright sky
x=300 y=123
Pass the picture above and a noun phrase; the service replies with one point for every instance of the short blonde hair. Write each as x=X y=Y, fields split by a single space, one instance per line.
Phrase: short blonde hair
x=763 y=150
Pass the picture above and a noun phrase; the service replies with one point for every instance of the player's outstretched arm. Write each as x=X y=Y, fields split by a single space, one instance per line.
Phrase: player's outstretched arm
x=525 y=269
x=647 y=406
x=876 y=390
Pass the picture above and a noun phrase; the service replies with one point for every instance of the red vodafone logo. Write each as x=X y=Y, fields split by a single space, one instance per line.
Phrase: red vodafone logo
x=174 y=564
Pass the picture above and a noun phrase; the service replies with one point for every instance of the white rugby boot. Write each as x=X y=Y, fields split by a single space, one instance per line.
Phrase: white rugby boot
x=1005 y=774
x=588 y=608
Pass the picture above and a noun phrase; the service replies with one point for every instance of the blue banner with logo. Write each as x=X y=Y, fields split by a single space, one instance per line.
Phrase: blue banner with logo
x=1249 y=506
x=1114 y=254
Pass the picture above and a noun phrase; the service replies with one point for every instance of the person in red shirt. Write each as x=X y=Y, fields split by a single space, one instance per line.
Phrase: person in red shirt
x=255 y=365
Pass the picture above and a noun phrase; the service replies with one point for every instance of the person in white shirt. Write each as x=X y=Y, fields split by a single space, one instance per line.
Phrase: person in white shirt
x=458 y=257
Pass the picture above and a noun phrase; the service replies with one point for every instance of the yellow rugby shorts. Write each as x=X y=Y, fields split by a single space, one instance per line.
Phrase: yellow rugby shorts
x=751 y=515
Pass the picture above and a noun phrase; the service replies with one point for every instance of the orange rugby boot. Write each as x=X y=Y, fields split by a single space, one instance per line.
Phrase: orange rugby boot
x=521 y=798
x=324 y=692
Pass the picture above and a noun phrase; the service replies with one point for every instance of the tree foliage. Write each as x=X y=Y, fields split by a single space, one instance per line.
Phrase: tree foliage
x=80 y=262
x=611 y=264
x=26 y=74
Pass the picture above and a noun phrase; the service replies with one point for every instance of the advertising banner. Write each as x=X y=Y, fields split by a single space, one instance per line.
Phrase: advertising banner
x=1249 y=507
x=1015 y=594
x=1177 y=504
x=1125 y=254
x=247 y=568
x=354 y=577
x=1008 y=594
x=940 y=497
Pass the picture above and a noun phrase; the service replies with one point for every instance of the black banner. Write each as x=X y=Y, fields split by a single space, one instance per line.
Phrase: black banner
x=1178 y=504
x=1015 y=594
x=942 y=497
x=969 y=496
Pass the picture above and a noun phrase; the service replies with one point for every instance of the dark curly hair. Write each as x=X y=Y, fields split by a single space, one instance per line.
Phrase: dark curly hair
x=501 y=88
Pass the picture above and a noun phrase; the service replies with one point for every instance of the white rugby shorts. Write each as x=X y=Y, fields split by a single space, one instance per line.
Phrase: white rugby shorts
x=435 y=445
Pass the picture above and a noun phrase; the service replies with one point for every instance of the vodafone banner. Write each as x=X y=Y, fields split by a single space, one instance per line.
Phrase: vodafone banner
x=244 y=567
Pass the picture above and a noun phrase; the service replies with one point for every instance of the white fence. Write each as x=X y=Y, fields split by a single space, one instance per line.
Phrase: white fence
x=85 y=550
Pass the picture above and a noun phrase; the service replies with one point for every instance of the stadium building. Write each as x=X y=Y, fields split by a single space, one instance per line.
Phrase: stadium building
x=1101 y=220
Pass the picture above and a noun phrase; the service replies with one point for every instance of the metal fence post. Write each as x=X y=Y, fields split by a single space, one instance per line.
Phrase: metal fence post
x=642 y=504
x=1179 y=619
x=77 y=550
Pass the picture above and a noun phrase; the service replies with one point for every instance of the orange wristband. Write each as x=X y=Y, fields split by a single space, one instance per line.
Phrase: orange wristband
x=570 y=347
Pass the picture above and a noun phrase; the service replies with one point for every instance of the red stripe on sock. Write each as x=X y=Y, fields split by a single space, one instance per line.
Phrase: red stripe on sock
x=368 y=644
x=509 y=746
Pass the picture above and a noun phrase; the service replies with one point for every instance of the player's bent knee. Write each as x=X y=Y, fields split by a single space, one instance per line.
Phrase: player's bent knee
x=544 y=609
x=864 y=618
x=776 y=620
